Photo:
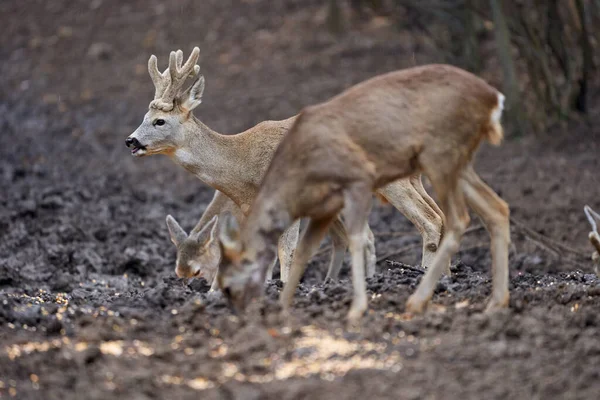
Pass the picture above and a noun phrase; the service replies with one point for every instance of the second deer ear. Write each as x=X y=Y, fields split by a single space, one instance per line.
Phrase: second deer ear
x=193 y=96
x=593 y=217
x=208 y=232
x=229 y=234
x=177 y=233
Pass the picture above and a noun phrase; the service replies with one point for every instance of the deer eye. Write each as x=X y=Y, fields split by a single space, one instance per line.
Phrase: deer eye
x=159 y=122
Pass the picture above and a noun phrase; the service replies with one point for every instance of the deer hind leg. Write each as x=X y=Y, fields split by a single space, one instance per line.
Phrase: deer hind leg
x=339 y=244
x=405 y=195
x=286 y=248
x=357 y=205
x=457 y=218
x=309 y=242
x=494 y=213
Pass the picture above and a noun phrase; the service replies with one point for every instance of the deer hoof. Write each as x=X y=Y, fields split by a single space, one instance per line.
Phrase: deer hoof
x=355 y=315
x=495 y=305
x=415 y=306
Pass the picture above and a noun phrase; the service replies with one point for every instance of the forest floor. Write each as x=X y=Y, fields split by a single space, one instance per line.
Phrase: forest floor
x=90 y=305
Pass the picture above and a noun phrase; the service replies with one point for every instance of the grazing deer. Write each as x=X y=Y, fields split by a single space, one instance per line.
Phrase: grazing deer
x=428 y=119
x=199 y=253
x=594 y=236
x=235 y=164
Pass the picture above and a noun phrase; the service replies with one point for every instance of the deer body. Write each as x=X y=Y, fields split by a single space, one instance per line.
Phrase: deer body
x=428 y=119
x=236 y=164
x=232 y=164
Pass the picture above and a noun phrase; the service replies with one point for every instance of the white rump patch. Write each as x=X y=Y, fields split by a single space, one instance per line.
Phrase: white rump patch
x=497 y=112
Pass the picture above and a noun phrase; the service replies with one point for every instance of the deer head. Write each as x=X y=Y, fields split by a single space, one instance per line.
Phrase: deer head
x=594 y=236
x=240 y=276
x=164 y=125
x=199 y=254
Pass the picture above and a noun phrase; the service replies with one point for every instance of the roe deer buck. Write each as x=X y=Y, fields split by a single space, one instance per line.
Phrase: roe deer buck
x=428 y=119
x=235 y=164
x=594 y=236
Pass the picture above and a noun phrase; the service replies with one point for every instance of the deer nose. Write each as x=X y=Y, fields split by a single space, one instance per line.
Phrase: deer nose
x=132 y=142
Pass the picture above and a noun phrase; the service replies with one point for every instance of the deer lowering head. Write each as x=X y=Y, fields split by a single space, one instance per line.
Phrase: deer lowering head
x=199 y=253
x=428 y=119
x=163 y=128
x=242 y=276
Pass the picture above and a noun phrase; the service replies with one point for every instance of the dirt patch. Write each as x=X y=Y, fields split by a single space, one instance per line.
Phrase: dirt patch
x=90 y=304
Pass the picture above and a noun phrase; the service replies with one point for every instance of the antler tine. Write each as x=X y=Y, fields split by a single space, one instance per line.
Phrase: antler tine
x=178 y=75
x=159 y=79
x=173 y=78
x=189 y=65
x=179 y=58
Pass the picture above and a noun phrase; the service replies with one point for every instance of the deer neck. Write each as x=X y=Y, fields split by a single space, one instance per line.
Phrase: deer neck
x=265 y=224
x=215 y=159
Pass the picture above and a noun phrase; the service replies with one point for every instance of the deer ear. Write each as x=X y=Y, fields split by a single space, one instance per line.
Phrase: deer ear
x=229 y=234
x=193 y=96
x=208 y=232
x=593 y=217
x=177 y=233
x=214 y=229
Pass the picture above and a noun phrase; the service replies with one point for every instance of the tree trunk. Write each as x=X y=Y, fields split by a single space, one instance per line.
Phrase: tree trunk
x=471 y=56
x=335 y=18
x=511 y=85
x=586 y=52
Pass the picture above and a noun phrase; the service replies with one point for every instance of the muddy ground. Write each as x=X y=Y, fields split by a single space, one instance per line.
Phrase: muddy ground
x=91 y=307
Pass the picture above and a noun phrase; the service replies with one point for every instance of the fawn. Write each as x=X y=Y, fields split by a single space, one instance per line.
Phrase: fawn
x=235 y=165
x=199 y=253
x=428 y=119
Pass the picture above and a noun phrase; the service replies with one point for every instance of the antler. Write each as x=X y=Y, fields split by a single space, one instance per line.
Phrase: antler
x=168 y=83
x=594 y=236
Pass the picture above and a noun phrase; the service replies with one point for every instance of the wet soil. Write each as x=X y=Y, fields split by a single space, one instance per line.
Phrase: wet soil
x=91 y=308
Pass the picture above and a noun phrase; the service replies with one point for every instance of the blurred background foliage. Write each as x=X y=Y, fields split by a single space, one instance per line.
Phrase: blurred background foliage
x=545 y=49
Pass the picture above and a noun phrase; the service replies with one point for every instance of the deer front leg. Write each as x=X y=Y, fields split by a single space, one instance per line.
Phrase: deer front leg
x=339 y=244
x=457 y=216
x=269 y=275
x=356 y=212
x=405 y=195
x=309 y=242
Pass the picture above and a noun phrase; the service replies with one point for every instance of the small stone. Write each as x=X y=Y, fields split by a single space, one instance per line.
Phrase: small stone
x=53 y=202
x=54 y=326
x=100 y=51
x=64 y=32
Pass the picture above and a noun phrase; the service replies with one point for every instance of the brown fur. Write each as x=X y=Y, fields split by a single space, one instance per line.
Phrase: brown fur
x=236 y=164
x=428 y=119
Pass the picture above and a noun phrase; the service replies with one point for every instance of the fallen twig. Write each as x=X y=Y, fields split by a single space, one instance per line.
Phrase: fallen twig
x=392 y=233
x=398 y=251
x=411 y=246
x=406 y=233
x=405 y=266
x=545 y=242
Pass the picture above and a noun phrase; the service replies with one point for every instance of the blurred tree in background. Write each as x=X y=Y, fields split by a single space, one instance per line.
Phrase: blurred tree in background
x=545 y=49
